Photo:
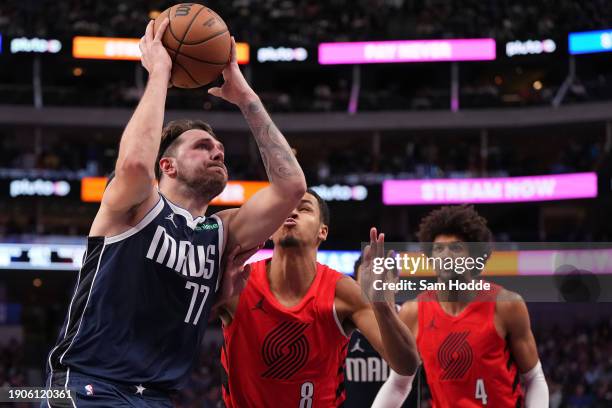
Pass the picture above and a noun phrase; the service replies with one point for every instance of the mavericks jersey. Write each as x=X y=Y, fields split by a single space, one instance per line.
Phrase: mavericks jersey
x=365 y=372
x=142 y=301
x=277 y=356
x=466 y=362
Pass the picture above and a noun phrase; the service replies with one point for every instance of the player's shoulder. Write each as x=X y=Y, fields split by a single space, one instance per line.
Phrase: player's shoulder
x=505 y=295
x=346 y=287
x=409 y=312
x=331 y=271
x=226 y=215
x=110 y=222
x=510 y=306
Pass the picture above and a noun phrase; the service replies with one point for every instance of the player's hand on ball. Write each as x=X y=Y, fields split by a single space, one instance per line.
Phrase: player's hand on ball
x=236 y=273
x=235 y=88
x=155 y=58
x=376 y=249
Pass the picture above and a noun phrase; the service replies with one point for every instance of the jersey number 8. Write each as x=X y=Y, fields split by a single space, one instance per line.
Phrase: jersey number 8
x=306 y=393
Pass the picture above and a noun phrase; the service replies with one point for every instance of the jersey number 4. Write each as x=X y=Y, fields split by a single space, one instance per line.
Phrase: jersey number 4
x=481 y=393
x=196 y=290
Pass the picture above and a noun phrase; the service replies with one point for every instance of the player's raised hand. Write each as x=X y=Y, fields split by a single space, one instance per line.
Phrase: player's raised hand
x=154 y=57
x=235 y=88
x=369 y=268
x=235 y=274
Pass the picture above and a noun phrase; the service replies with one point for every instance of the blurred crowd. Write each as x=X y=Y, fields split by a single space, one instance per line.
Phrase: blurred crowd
x=415 y=158
x=307 y=21
x=578 y=365
x=204 y=387
x=12 y=370
x=427 y=159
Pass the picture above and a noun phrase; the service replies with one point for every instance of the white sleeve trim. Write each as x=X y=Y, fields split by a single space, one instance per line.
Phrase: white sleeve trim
x=154 y=212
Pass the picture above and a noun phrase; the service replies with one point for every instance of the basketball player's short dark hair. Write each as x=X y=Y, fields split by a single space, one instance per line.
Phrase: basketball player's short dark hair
x=356 y=266
x=323 y=208
x=170 y=134
x=460 y=220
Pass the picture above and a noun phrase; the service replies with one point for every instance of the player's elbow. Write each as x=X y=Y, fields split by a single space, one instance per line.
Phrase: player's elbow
x=298 y=188
x=292 y=190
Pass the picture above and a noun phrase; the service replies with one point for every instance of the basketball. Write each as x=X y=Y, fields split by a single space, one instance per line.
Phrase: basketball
x=198 y=42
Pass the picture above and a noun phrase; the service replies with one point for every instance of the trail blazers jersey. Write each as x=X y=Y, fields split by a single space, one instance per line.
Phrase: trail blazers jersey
x=467 y=363
x=276 y=356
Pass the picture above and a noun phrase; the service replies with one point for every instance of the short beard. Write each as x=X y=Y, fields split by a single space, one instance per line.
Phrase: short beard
x=289 y=242
x=205 y=187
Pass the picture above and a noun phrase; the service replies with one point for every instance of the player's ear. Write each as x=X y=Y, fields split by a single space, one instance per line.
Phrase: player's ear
x=323 y=231
x=167 y=166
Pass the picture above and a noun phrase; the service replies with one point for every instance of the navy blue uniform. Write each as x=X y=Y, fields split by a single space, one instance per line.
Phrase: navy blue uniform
x=365 y=372
x=140 y=308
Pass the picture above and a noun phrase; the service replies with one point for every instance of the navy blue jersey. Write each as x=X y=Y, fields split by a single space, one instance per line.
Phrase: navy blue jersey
x=365 y=372
x=142 y=301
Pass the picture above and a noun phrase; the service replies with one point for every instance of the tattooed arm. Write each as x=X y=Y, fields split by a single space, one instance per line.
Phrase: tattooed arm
x=265 y=212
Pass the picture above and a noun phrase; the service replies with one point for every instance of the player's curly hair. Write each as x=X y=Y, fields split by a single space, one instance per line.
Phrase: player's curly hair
x=460 y=220
x=170 y=134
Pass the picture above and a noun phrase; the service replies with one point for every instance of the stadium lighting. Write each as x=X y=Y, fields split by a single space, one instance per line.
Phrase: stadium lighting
x=377 y=52
x=490 y=190
x=590 y=42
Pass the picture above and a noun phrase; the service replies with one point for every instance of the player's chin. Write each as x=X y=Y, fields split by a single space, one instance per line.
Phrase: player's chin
x=214 y=183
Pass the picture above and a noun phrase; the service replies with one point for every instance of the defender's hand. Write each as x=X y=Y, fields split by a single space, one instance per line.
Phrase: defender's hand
x=235 y=274
x=235 y=88
x=155 y=58
x=376 y=249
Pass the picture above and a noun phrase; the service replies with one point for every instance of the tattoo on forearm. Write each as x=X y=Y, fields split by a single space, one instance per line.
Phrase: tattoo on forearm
x=277 y=157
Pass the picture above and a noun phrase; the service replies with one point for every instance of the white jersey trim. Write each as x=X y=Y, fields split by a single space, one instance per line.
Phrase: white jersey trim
x=191 y=222
x=154 y=212
x=93 y=282
x=221 y=248
x=76 y=289
x=338 y=321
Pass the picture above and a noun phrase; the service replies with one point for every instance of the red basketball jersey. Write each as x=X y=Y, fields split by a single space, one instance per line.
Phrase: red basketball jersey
x=466 y=362
x=276 y=356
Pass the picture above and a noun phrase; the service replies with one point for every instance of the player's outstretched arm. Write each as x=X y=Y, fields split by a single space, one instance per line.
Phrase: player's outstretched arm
x=258 y=218
x=514 y=316
x=135 y=168
x=377 y=319
x=396 y=389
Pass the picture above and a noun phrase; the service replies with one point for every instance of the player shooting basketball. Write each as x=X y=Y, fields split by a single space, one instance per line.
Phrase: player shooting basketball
x=287 y=333
x=152 y=268
x=474 y=346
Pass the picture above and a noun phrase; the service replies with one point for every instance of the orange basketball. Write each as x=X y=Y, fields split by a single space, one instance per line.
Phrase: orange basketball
x=198 y=42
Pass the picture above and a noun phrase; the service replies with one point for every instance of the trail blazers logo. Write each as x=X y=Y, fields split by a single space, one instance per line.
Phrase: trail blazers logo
x=455 y=356
x=285 y=350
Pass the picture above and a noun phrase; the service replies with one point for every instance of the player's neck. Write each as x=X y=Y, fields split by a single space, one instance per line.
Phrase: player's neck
x=184 y=198
x=454 y=302
x=291 y=273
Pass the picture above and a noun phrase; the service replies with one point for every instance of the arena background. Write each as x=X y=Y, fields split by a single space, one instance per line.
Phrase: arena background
x=533 y=100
